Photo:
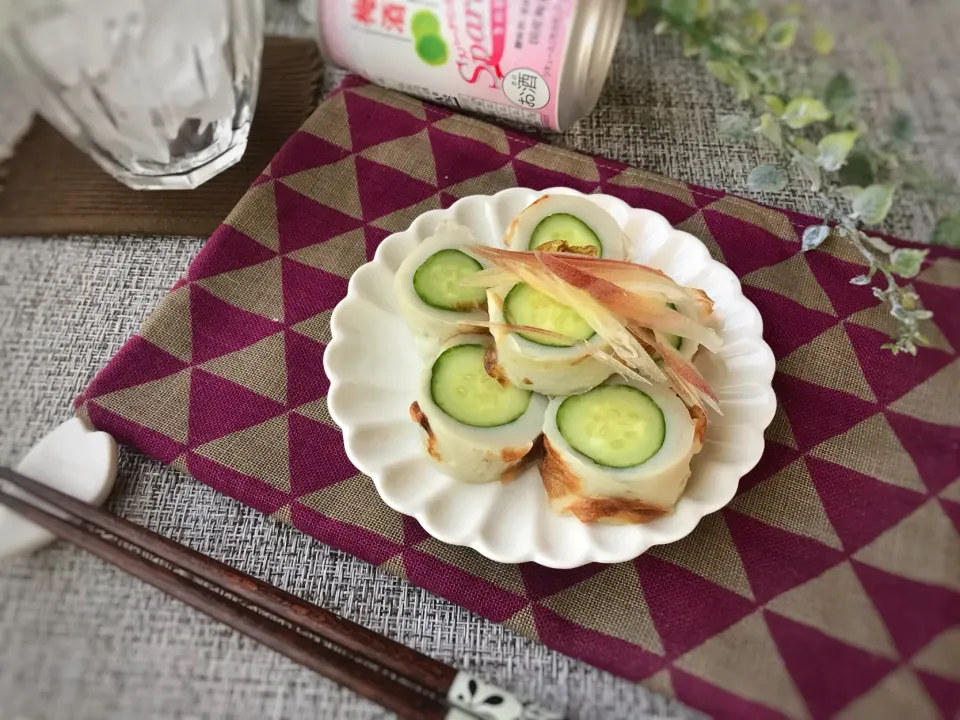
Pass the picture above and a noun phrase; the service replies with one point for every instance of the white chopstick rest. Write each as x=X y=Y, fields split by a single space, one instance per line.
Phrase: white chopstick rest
x=72 y=459
x=489 y=701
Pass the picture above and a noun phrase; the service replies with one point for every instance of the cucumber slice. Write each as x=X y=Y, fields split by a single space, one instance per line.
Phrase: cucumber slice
x=462 y=389
x=437 y=282
x=566 y=228
x=674 y=340
x=616 y=426
x=525 y=305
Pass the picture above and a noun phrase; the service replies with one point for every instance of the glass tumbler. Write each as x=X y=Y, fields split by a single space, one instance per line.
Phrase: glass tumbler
x=160 y=93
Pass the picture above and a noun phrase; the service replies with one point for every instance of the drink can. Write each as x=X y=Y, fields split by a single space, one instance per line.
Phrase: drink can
x=531 y=62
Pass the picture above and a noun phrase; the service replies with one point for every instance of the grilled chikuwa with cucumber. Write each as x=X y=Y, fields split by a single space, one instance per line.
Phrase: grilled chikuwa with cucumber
x=430 y=292
x=559 y=336
x=474 y=428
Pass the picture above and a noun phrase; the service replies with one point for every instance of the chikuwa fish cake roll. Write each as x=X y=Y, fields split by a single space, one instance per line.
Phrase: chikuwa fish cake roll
x=687 y=347
x=474 y=428
x=619 y=453
x=566 y=223
x=553 y=356
x=699 y=308
x=430 y=295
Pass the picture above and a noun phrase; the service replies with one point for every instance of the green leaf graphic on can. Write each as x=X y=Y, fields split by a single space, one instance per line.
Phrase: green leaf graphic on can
x=424 y=23
x=432 y=50
x=430 y=46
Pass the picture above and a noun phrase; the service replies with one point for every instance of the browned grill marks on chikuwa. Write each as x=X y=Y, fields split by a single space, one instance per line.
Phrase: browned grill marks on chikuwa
x=418 y=416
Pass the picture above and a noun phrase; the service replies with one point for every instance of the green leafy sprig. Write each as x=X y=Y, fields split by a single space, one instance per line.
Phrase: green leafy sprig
x=807 y=112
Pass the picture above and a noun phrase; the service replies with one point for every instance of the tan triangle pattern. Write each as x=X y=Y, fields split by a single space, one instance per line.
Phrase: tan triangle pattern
x=411 y=155
x=780 y=430
x=161 y=405
x=283 y=515
x=943 y=271
x=549 y=157
x=355 y=501
x=317 y=327
x=485 y=184
x=331 y=122
x=951 y=491
x=877 y=317
x=395 y=566
x=83 y=414
x=660 y=682
x=696 y=225
x=935 y=400
x=523 y=622
x=251 y=367
x=842 y=372
x=872 y=448
x=259 y=451
x=256 y=216
x=256 y=288
x=401 y=219
x=792 y=278
x=503 y=576
x=935 y=337
x=773 y=221
x=611 y=602
x=393 y=99
x=179 y=463
x=341 y=255
x=744 y=660
x=924 y=546
x=899 y=696
x=634 y=178
x=487 y=133
x=709 y=552
x=317 y=410
x=169 y=326
x=788 y=500
x=334 y=184
x=843 y=250
x=942 y=655
x=854 y=621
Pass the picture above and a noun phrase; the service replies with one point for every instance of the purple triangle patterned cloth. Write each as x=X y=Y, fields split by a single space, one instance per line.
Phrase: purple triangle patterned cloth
x=830 y=585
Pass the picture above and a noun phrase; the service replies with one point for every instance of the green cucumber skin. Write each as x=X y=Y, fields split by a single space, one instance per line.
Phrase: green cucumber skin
x=441 y=266
x=569 y=228
x=579 y=430
x=512 y=303
x=457 y=373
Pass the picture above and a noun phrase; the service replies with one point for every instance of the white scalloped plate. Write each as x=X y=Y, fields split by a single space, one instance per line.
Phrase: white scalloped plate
x=373 y=369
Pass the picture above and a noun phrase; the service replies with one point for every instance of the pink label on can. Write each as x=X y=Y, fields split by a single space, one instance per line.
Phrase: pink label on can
x=498 y=57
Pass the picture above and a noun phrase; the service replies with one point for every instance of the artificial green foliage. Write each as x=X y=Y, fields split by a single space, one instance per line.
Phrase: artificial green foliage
x=778 y=64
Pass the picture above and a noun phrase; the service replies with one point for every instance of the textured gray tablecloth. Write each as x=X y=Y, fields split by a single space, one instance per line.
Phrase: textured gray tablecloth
x=81 y=640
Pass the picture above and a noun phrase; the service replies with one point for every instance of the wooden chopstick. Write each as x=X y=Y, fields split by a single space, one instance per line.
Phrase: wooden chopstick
x=404 y=661
x=429 y=692
x=402 y=699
